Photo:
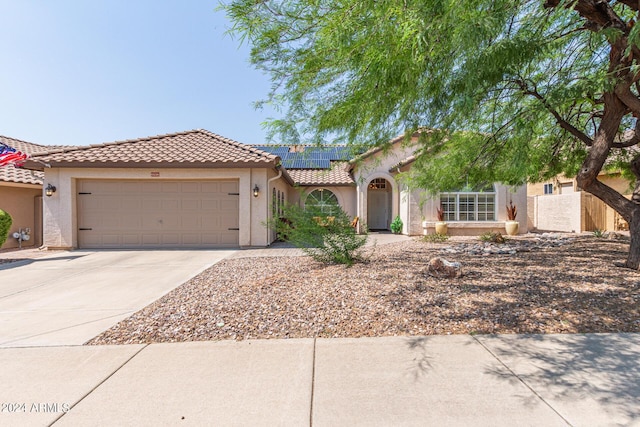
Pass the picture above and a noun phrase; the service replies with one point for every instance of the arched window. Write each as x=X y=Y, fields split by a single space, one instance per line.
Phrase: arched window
x=323 y=200
x=470 y=204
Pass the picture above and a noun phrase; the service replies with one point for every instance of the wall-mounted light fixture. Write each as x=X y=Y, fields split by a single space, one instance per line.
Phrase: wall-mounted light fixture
x=256 y=190
x=49 y=190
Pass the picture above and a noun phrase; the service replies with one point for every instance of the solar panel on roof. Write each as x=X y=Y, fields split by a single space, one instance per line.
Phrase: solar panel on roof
x=273 y=149
x=301 y=163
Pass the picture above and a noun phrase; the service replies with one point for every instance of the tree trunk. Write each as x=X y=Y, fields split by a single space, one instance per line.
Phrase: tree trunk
x=633 y=258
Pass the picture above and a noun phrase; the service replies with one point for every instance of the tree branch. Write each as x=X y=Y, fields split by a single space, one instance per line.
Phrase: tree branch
x=623 y=92
x=632 y=4
x=596 y=11
x=562 y=122
x=629 y=139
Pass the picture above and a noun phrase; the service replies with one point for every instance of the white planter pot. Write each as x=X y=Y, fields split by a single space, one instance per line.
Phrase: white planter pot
x=511 y=227
x=441 y=228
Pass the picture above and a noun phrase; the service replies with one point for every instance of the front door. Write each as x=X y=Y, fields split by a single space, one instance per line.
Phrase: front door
x=379 y=205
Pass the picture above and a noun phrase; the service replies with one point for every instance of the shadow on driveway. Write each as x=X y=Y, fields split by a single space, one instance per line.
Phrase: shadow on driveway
x=6 y=264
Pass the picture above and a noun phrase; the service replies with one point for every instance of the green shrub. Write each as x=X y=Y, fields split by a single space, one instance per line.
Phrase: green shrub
x=396 y=225
x=5 y=225
x=329 y=239
x=435 y=238
x=598 y=233
x=493 y=237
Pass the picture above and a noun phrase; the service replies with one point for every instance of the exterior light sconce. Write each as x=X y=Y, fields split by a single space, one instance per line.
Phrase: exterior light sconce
x=49 y=190
x=256 y=190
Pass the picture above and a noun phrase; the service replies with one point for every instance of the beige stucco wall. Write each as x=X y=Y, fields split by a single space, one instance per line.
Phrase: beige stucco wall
x=60 y=212
x=537 y=189
x=560 y=212
x=612 y=179
x=410 y=211
x=22 y=203
x=617 y=182
x=279 y=184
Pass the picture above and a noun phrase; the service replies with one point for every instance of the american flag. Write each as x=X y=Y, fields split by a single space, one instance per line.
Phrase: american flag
x=9 y=155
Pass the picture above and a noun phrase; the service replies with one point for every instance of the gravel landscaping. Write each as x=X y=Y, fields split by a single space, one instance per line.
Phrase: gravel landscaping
x=544 y=284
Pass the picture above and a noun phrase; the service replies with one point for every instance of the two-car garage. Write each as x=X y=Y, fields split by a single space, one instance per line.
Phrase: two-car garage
x=192 y=189
x=157 y=213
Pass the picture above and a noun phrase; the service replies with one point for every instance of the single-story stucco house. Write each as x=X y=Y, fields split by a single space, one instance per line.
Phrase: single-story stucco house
x=21 y=196
x=199 y=189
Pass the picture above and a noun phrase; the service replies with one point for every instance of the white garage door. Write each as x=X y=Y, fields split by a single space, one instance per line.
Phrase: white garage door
x=137 y=214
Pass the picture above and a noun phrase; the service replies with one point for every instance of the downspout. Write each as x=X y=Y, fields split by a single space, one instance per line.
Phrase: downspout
x=270 y=211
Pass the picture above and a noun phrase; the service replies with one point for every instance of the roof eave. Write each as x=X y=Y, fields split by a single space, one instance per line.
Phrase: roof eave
x=148 y=165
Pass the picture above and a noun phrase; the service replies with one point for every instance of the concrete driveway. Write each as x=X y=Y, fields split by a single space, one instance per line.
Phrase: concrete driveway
x=68 y=298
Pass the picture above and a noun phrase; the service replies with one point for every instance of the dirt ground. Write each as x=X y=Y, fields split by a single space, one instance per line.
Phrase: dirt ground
x=566 y=286
x=537 y=286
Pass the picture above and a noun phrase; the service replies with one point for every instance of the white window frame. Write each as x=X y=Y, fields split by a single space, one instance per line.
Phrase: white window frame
x=325 y=208
x=452 y=202
x=548 y=188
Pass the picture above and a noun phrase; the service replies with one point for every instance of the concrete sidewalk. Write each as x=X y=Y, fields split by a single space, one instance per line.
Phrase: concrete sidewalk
x=508 y=380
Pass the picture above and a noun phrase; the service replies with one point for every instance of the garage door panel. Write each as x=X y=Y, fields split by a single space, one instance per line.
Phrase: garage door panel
x=211 y=222
x=157 y=213
x=190 y=187
x=191 y=204
x=111 y=239
x=210 y=187
x=227 y=238
x=212 y=205
x=226 y=223
x=128 y=187
x=171 y=239
x=229 y=187
x=190 y=222
x=151 y=205
x=228 y=205
x=170 y=205
x=169 y=187
x=151 y=187
x=130 y=239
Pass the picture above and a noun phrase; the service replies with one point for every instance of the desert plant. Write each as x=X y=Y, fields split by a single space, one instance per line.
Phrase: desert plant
x=396 y=225
x=5 y=225
x=440 y=213
x=493 y=237
x=329 y=239
x=512 y=211
x=435 y=238
x=598 y=233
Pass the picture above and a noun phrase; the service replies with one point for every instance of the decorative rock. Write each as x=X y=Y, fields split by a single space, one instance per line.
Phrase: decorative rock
x=510 y=247
x=441 y=268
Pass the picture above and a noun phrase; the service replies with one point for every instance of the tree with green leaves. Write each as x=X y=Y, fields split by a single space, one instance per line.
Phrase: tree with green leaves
x=513 y=91
x=330 y=239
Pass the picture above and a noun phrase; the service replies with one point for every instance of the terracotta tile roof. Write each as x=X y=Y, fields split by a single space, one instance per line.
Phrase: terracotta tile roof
x=194 y=148
x=18 y=175
x=402 y=163
x=337 y=175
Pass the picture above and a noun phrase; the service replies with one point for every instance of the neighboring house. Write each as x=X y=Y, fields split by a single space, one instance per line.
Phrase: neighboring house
x=21 y=196
x=198 y=189
x=560 y=205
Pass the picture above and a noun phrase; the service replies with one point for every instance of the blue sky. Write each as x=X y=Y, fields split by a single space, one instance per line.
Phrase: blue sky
x=85 y=72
